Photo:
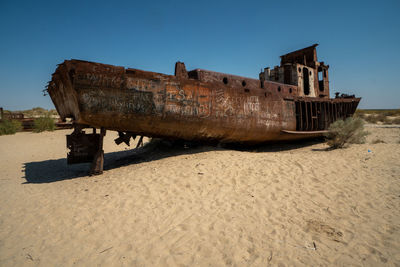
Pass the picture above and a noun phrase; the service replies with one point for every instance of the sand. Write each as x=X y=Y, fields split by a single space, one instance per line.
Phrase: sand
x=279 y=205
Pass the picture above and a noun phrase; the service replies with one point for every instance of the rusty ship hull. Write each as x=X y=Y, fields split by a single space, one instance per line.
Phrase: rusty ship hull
x=158 y=105
x=285 y=103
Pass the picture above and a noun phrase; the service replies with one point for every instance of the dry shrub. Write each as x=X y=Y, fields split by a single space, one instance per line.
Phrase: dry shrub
x=381 y=117
x=385 y=117
x=371 y=119
x=378 y=141
x=374 y=118
x=393 y=112
x=53 y=112
x=10 y=127
x=360 y=115
x=42 y=124
x=388 y=121
x=396 y=120
x=349 y=131
x=35 y=112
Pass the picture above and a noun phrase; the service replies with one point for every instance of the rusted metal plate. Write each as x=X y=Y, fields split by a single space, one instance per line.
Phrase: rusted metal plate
x=305 y=132
x=83 y=147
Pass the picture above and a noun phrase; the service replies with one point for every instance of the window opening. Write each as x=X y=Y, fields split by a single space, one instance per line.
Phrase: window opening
x=306 y=82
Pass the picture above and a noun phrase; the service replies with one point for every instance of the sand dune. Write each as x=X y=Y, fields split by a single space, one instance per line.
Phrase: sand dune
x=279 y=205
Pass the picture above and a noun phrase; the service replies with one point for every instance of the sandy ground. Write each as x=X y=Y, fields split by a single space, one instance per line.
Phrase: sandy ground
x=279 y=205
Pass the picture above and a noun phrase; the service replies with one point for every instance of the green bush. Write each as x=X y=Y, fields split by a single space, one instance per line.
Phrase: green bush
x=10 y=127
x=42 y=124
x=349 y=131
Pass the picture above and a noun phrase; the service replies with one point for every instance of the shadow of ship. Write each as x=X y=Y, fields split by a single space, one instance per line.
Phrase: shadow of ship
x=49 y=171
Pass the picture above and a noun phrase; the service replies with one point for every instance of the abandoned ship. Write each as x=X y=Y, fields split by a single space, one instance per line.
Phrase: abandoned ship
x=290 y=101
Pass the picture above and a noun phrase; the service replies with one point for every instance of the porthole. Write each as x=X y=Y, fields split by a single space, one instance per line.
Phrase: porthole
x=279 y=88
x=299 y=69
x=310 y=73
x=225 y=80
x=247 y=90
x=290 y=90
x=244 y=83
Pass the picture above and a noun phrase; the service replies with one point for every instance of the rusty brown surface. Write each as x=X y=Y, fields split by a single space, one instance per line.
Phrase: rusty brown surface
x=200 y=104
x=83 y=147
x=301 y=69
x=306 y=56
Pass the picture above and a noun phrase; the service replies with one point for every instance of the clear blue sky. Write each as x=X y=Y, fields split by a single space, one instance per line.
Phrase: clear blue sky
x=360 y=40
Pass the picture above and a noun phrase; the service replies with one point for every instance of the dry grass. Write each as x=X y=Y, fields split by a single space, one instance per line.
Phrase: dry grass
x=35 y=112
x=382 y=116
x=386 y=112
x=349 y=131
x=378 y=141
x=42 y=124
x=10 y=127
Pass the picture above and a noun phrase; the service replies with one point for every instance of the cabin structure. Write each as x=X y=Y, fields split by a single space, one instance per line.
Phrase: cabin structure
x=301 y=69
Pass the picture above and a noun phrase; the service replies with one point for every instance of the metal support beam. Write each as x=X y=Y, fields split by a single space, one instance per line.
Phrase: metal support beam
x=98 y=161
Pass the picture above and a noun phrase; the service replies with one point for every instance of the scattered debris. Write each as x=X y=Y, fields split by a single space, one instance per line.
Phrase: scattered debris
x=29 y=257
x=270 y=257
x=106 y=249
x=320 y=227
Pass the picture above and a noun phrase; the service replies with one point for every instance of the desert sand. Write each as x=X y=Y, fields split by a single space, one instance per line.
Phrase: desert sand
x=279 y=205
